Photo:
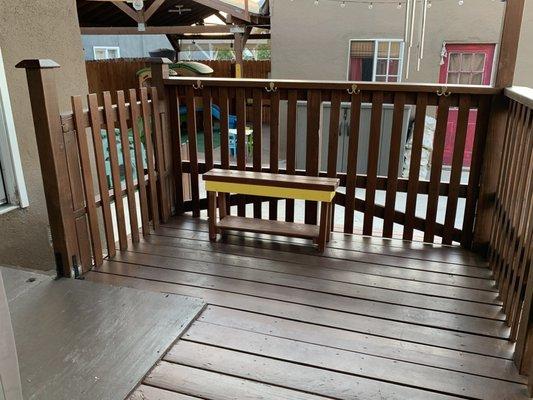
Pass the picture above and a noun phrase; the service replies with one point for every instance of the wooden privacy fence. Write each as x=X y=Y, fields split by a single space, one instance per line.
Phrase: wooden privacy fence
x=236 y=94
x=125 y=143
x=510 y=250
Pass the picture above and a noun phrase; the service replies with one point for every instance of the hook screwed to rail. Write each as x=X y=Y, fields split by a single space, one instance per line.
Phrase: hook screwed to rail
x=443 y=91
x=271 y=87
x=353 y=89
x=198 y=85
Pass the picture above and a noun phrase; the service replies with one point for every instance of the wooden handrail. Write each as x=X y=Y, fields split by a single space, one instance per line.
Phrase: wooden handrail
x=521 y=94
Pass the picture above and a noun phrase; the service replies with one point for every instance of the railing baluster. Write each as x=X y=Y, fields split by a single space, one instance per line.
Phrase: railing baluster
x=208 y=127
x=258 y=140
x=126 y=157
x=312 y=153
x=224 y=136
x=115 y=171
x=274 y=148
x=241 y=142
x=394 y=160
x=414 y=166
x=457 y=168
x=193 y=149
x=292 y=99
x=372 y=166
x=351 y=168
x=436 y=168
x=139 y=161
x=333 y=143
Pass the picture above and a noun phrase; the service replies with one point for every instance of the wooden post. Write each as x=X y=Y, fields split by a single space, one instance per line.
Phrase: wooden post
x=496 y=131
x=238 y=47
x=52 y=157
x=160 y=72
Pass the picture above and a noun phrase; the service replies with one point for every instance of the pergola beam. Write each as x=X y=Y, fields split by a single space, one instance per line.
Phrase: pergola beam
x=152 y=9
x=218 y=5
x=156 y=30
x=512 y=23
x=130 y=12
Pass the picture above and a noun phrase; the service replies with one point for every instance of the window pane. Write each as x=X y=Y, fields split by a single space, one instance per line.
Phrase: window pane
x=112 y=53
x=381 y=78
x=383 y=49
x=394 y=66
x=395 y=50
x=393 y=79
x=362 y=49
x=478 y=63
x=477 y=78
x=454 y=62
x=464 y=79
x=453 y=77
x=381 y=68
x=99 y=54
x=467 y=62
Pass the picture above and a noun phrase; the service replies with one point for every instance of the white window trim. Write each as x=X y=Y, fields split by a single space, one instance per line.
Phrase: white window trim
x=376 y=41
x=17 y=195
x=106 y=48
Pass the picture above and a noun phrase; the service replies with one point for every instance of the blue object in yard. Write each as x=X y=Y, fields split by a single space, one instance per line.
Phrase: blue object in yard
x=215 y=112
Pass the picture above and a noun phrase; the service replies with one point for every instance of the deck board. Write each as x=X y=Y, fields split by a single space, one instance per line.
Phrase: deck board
x=367 y=319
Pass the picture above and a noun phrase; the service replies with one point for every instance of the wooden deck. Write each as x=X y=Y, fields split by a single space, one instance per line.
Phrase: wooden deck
x=368 y=319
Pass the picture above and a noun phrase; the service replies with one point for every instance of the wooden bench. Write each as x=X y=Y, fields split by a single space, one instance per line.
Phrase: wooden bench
x=310 y=188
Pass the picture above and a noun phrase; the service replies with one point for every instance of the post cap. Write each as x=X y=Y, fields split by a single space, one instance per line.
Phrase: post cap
x=37 y=63
x=159 y=60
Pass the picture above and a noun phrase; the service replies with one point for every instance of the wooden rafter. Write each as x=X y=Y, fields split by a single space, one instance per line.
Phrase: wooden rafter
x=152 y=9
x=155 y=30
x=218 y=5
x=130 y=12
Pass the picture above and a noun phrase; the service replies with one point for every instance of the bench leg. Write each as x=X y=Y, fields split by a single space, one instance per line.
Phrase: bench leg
x=212 y=213
x=330 y=221
x=221 y=205
x=323 y=227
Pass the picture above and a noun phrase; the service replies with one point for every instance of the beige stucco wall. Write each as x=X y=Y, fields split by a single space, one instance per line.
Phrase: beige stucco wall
x=311 y=41
x=524 y=67
x=36 y=29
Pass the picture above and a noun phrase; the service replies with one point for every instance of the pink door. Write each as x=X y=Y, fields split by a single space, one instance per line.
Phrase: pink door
x=465 y=64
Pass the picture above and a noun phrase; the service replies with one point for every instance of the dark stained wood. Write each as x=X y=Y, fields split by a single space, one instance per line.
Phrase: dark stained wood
x=193 y=148
x=312 y=152
x=436 y=168
x=351 y=169
x=240 y=104
x=283 y=228
x=128 y=174
x=372 y=165
x=274 y=148
x=115 y=170
x=258 y=141
x=457 y=167
x=139 y=162
x=207 y=103
x=224 y=134
x=291 y=148
x=85 y=165
x=333 y=142
x=101 y=173
x=394 y=160
x=150 y=156
x=175 y=136
x=276 y=180
x=414 y=167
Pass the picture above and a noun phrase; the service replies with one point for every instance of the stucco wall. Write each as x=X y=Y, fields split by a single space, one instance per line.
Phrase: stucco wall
x=36 y=29
x=524 y=67
x=311 y=41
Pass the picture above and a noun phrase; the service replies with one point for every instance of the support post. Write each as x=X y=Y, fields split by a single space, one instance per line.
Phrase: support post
x=238 y=47
x=52 y=157
x=510 y=37
x=160 y=72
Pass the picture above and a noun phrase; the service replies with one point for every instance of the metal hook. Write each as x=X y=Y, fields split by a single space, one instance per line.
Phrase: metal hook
x=353 y=89
x=198 y=85
x=271 y=87
x=443 y=91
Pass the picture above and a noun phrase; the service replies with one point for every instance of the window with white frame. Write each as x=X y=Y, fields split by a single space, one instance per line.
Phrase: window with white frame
x=378 y=60
x=106 y=52
x=12 y=188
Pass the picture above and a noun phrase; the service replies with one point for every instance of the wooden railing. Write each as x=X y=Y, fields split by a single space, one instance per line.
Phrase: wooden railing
x=510 y=250
x=248 y=98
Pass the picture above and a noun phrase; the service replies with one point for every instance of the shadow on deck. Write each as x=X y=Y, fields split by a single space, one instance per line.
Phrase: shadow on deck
x=370 y=318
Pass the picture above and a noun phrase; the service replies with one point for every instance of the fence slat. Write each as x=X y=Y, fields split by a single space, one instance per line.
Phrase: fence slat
x=480 y=137
x=436 y=168
x=241 y=142
x=274 y=148
x=115 y=171
x=258 y=140
x=292 y=98
x=139 y=162
x=372 y=166
x=394 y=160
x=162 y=191
x=85 y=164
x=94 y=116
x=193 y=149
x=312 y=153
x=414 y=166
x=150 y=158
x=351 y=168
x=457 y=167
x=126 y=156
x=333 y=143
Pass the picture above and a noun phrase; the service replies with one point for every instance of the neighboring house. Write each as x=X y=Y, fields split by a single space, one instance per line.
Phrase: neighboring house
x=31 y=29
x=339 y=40
x=97 y=47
